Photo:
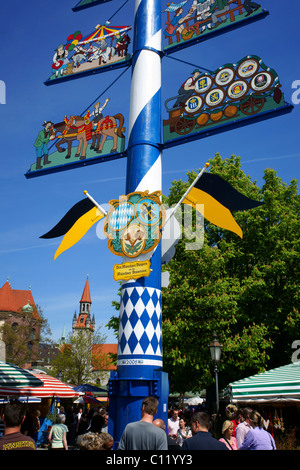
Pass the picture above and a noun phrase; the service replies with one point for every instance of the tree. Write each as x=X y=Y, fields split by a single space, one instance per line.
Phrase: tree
x=244 y=289
x=77 y=361
x=22 y=338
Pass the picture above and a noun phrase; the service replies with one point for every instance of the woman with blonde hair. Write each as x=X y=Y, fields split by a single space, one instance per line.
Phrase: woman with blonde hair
x=228 y=438
x=257 y=438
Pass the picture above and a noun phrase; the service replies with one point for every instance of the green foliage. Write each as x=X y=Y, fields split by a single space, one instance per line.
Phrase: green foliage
x=247 y=290
x=77 y=361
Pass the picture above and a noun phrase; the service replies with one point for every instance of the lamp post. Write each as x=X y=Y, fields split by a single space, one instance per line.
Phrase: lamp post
x=59 y=375
x=215 y=353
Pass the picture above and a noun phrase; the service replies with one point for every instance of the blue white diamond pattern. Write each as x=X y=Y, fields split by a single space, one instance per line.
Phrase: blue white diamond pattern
x=140 y=332
x=121 y=216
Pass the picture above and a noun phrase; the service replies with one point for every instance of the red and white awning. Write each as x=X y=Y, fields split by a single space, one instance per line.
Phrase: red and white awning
x=52 y=388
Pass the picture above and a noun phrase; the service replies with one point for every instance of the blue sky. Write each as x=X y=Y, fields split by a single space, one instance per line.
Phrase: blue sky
x=30 y=31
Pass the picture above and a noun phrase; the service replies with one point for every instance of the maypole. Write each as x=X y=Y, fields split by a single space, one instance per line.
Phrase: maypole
x=139 y=363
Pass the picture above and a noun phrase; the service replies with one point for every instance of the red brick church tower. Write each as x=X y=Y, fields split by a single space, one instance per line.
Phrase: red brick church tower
x=84 y=320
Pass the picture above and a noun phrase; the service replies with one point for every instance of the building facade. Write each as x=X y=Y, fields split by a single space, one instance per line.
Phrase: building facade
x=101 y=354
x=20 y=325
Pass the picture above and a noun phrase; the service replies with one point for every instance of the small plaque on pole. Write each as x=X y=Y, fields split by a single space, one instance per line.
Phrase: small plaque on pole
x=131 y=270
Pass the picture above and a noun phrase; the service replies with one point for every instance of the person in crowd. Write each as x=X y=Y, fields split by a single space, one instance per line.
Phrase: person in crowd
x=93 y=425
x=228 y=439
x=83 y=423
x=96 y=441
x=172 y=445
x=1 y=426
x=143 y=435
x=243 y=427
x=257 y=438
x=97 y=423
x=13 y=417
x=31 y=425
x=183 y=432
x=173 y=424
x=71 y=422
x=202 y=438
x=233 y=414
x=58 y=434
x=78 y=414
x=104 y=414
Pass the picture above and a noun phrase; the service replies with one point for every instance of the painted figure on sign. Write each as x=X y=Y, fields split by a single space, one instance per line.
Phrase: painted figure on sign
x=93 y=53
x=250 y=7
x=97 y=113
x=60 y=60
x=105 y=50
x=219 y=7
x=79 y=55
x=122 y=43
x=41 y=147
x=108 y=127
x=96 y=116
x=187 y=89
x=202 y=11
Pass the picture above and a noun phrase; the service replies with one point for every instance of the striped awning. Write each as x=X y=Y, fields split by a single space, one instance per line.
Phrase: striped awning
x=282 y=383
x=14 y=376
x=52 y=387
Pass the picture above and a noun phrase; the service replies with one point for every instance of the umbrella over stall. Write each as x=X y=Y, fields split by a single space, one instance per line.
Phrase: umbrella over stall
x=14 y=376
x=52 y=387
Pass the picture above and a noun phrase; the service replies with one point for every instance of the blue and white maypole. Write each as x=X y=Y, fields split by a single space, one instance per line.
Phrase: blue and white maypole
x=139 y=362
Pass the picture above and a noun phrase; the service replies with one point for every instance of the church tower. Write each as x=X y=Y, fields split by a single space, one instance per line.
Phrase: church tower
x=84 y=320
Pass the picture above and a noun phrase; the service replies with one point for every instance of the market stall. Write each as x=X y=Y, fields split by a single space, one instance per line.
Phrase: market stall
x=275 y=393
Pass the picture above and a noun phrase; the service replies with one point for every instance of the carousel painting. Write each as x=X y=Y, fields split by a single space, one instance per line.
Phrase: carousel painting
x=192 y=21
x=79 y=140
x=233 y=95
x=106 y=47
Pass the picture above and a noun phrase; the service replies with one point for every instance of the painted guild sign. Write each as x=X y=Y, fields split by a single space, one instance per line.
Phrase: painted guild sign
x=105 y=47
x=233 y=93
x=133 y=224
x=75 y=140
x=192 y=21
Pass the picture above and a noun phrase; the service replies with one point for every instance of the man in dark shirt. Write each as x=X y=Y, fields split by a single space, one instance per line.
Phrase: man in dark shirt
x=13 y=417
x=201 y=439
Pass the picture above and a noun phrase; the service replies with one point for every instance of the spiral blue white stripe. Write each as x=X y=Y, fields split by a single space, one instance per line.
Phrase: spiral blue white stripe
x=140 y=335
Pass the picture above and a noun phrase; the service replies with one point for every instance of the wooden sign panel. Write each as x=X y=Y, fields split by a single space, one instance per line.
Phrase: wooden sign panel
x=192 y=21
x=233 y=95
x=103 y=49
x=77 y=141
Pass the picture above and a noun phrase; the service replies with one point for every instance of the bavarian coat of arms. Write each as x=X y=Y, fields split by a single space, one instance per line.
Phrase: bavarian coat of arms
x=133 y=224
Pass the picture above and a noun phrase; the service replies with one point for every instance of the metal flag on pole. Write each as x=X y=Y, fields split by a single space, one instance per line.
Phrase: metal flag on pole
x=187 y=191
x=103 y=211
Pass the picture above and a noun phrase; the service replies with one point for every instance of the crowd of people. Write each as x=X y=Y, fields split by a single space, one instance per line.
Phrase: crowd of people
x=72 y=429
x=242 y=429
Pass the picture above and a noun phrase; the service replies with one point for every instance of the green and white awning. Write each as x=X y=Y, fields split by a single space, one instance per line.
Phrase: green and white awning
x=14 y=376
x=280 y=384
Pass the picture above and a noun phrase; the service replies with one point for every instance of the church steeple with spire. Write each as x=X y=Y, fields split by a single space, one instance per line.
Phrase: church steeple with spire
x=84 y=319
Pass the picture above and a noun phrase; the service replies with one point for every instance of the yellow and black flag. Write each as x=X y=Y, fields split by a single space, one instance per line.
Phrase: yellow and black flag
x=75 y=224
x=219 y=198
